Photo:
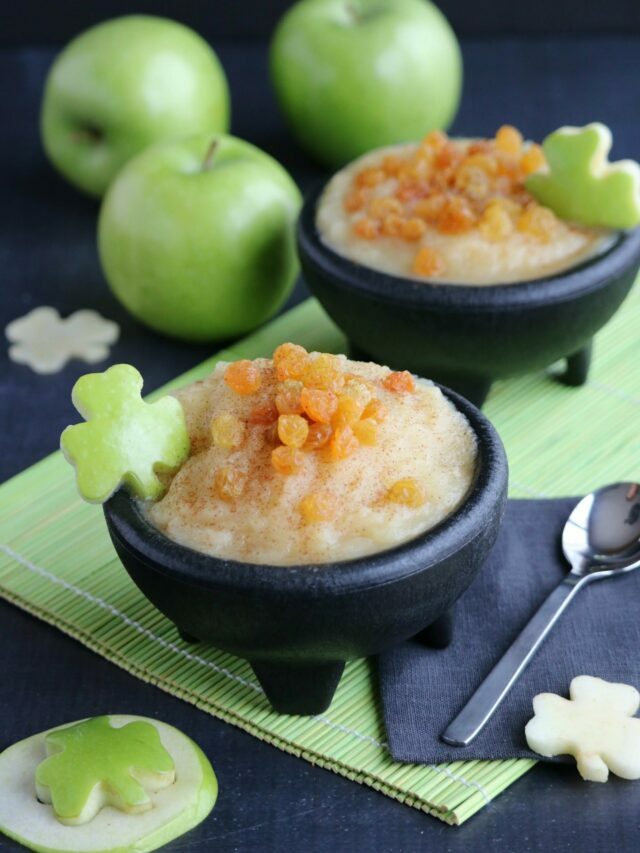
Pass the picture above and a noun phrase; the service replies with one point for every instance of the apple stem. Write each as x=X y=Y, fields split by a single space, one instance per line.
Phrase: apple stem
x=353 y=12
x=87 y=134
x=208 y=157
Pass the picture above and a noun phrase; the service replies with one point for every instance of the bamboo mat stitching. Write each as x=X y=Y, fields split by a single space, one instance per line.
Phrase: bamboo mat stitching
x=132 y=623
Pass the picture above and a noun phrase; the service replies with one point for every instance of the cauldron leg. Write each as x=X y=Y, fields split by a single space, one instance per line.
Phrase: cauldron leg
x=298 y=689
x=439 y=634
x=186 y=636
x=474 y=388
x=577 y=370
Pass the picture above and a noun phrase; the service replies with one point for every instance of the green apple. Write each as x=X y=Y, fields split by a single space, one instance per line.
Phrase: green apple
x=176 y=808
x=352 y=75
x=196 y=237
x=123 y=85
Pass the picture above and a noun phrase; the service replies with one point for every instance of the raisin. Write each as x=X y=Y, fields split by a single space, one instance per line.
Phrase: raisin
x=375 y=410
x=354 y=200
x=428 y=262
x=495 y=223
x=230 y=483
x=319 y=405
x=412 y=229
x=365 y=228
x=508 y=140
x=227 y=431
x=288 y=397
x=292 y=430
x=538 y=221
x=383 y=206
x=343 y=443
x=290 y=361
x=366 y=431
x=400 y=382
x=532 y=160
x=243 y=377
x=316 y=507
x=407 y=492
x=348 y=412
x=319 y=435
x=324 y=372
x=287 y=460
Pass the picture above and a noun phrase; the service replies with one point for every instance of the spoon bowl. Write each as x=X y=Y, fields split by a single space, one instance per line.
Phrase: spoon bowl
x=602 y=534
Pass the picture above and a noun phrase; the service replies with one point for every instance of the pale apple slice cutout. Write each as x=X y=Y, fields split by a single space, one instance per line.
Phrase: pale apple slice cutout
x=175 y=808
x=46 y=342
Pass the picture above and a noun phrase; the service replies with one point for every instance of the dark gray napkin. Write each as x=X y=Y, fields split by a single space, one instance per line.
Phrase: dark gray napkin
x=599 y=634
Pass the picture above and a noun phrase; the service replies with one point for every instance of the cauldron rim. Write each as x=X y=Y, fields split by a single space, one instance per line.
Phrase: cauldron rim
x=580 y=279
x=486 y=497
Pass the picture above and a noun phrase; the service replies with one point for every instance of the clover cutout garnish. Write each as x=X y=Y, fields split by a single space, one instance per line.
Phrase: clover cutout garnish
x=94 y=764
x=125 y=441
x=596 y=725
x=46 y=342
x=581 y=185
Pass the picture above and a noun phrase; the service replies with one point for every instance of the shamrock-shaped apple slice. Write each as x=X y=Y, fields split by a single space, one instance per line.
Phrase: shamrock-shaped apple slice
x=581 y=185
x=116 y=784
x=125 y=441
x=596 y=725
x=93 y=764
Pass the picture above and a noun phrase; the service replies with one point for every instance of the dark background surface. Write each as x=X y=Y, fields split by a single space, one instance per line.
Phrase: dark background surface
x=271 y=801
x=54 y=23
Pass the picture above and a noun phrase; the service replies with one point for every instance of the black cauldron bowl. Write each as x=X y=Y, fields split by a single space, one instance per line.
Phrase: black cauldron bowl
x=466 y=336
x=297 y=625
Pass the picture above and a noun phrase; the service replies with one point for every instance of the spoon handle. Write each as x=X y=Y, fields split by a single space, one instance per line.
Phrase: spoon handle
x=481 y=706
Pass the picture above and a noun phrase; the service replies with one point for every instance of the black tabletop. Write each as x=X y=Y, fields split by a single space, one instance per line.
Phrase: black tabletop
x=268 y=801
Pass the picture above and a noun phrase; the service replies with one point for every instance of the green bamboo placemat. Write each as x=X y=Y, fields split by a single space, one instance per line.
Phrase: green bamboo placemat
x=56 y=561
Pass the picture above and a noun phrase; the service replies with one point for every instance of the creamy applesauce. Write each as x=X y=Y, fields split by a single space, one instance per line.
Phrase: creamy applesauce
x=311 y=458
x=454 y=211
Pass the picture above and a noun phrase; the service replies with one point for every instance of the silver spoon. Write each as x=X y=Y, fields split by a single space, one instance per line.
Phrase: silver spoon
x=600 y=539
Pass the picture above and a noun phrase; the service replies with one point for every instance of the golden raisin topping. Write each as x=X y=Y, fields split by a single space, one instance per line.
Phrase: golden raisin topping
x=286 y=460
x=288 y=400
x=227 y=431
x=293 y=430
x=243 y=377
x=319 y=405
x=324 y=406
x=452 y=187
x=290 y=361
x=407 y=492
x=402 y=382
x=230 y=483
x=323 y=474
x=317 y=507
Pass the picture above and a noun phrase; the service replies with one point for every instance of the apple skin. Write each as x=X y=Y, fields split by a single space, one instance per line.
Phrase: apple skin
x=352 y=75
x=200 y=251
x=123 y=85
x=39 y=830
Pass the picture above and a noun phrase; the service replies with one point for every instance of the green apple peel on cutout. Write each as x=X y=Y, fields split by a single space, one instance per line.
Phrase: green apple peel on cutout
x=93 y=764
x=124 y=440
x=581 y=185
x=196 y=237
x=353 y=75
x=123 y=85
x=175 y=808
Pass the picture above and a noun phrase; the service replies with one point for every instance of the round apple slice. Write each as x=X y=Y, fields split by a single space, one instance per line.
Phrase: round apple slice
x=174 y=809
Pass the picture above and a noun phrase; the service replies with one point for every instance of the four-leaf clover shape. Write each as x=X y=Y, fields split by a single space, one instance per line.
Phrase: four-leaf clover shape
x=596 y=725
x=124 y=440
x=93 y=764
x=581 y=185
